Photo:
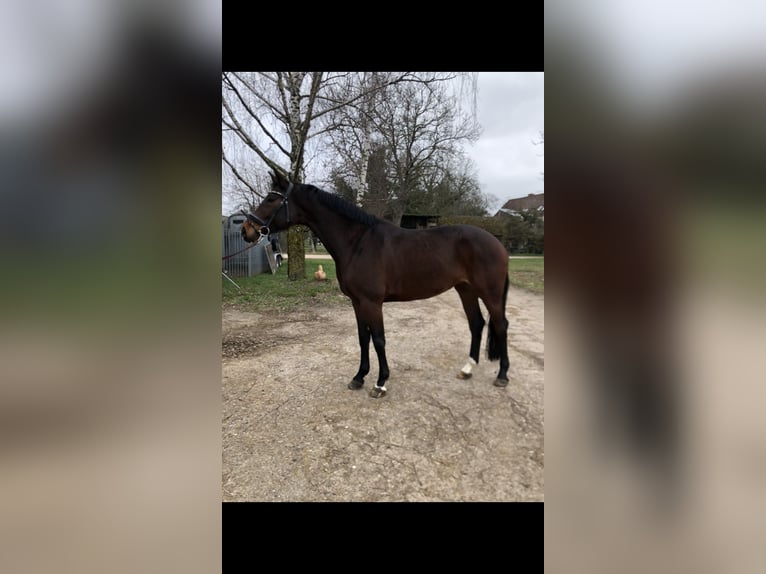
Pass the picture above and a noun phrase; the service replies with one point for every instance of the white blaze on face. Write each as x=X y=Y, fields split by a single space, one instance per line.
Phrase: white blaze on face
x=466 y=370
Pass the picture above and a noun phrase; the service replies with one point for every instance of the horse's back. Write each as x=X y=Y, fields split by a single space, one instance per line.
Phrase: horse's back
x=470 y=244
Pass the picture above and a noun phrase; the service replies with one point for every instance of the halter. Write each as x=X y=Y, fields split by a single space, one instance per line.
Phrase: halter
x=265 y=224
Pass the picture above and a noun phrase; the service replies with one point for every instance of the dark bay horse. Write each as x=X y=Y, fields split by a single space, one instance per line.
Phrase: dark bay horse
x=377 y=261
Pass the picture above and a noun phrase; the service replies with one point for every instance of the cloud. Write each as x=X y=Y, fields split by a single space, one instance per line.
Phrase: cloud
x=511 y=112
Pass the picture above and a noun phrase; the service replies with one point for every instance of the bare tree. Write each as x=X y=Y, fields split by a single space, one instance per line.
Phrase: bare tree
x=266 y=107
x=457 y=192
x=423 y=132
x=398 y=139
x=350 y=129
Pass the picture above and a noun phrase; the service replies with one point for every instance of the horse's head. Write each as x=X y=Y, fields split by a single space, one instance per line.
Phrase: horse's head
x=273 y=213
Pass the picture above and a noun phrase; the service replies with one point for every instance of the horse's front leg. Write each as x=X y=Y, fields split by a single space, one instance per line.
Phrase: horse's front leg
x=364 y=344
x=374 y=315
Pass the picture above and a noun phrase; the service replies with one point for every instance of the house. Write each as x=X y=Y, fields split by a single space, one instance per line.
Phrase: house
x=515 y=206
x=523 y=221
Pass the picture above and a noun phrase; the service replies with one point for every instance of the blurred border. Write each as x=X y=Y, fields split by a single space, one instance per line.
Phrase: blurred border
x=109 y=362
x=655 y=309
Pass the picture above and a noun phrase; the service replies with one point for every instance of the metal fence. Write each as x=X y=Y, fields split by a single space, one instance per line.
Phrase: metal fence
x=258 y=259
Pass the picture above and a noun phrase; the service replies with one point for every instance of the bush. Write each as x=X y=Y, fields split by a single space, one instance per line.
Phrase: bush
x=524 y=233
x=491 y=224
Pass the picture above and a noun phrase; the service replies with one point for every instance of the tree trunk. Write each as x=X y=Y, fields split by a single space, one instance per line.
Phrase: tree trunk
x=296 y=253
x=296 y=260
x=362 y=185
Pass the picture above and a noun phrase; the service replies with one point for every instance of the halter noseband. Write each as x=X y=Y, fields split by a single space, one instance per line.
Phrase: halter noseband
x=265 y=224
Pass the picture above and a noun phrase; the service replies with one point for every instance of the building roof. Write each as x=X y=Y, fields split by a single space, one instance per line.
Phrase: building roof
x=531 y=201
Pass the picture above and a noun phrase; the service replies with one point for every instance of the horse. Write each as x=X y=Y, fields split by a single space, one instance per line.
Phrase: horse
x=377 y=261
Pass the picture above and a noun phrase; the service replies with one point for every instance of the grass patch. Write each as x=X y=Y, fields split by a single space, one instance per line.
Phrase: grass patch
x=527 y=274
x=276 y=291
x=320 y=248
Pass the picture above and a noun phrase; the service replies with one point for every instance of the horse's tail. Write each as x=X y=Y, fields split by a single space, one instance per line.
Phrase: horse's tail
x=493 y=344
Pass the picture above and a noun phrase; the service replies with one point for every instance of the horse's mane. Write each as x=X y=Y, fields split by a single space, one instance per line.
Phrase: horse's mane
x=345 y=208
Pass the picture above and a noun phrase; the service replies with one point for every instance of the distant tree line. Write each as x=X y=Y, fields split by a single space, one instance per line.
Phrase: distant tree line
x=522 y=233
x=525 y=232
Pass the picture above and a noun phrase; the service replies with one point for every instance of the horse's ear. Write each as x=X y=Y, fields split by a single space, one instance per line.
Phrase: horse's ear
x=278 y=181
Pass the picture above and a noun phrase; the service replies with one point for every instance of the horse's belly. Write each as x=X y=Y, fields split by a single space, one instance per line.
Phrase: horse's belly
x=420 y=286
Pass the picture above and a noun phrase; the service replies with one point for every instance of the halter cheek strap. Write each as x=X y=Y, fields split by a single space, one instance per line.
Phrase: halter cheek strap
x=266 y=224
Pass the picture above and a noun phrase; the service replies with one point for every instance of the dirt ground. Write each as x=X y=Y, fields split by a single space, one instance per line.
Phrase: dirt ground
x=292 y=431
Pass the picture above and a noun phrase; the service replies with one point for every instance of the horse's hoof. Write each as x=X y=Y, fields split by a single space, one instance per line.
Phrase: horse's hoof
x=377 y=392
x=501 y=382
x=355 y=385
x=464 y=376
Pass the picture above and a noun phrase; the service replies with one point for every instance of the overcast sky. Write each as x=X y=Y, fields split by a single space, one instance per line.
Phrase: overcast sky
x=510 y=109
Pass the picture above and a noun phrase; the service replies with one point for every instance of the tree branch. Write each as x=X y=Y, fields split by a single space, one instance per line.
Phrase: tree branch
x=249 y=142
x=281 y=90
x=238 y=175
x=258 y=120
x=406 y=77
x=275 y=110
x=316 y=82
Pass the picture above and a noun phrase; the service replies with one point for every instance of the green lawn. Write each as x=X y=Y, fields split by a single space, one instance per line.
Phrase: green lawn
x=527 y=274
x=268 y=291
x=271 y=292
x=319 y=249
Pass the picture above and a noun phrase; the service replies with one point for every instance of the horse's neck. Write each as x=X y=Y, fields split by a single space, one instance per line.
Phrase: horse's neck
x=338 y=234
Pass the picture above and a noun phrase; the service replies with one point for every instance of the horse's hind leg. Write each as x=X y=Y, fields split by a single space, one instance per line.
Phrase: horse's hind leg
x=497 y=341
x=499 y=327
x=476 y=324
